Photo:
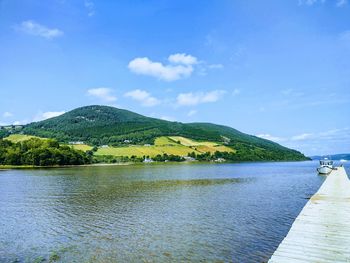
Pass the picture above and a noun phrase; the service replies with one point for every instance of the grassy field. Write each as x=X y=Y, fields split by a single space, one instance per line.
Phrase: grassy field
x=81 y=147
x=175 y=145
x=188 y=142
x=201 y=146
x=169 y=145
x=140 y=151
x=164 y=141
x=20 y=137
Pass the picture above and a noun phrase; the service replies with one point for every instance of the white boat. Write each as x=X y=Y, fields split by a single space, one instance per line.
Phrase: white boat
x=326 y=166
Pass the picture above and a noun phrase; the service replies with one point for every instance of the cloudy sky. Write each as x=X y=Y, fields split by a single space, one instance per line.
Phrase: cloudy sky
x=276 y=69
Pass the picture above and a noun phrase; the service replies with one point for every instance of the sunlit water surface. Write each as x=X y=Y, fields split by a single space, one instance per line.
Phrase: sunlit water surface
x=152 y=213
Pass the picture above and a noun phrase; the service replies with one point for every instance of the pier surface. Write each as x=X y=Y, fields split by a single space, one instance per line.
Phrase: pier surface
x=321 y=232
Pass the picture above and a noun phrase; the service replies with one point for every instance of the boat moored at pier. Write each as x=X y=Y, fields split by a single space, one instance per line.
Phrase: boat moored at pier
x=326 y=166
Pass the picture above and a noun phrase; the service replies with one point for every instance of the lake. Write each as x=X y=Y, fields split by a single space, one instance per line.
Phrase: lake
x=152 y=213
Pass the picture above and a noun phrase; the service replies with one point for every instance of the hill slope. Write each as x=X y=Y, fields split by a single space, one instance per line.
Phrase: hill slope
x=100 y=125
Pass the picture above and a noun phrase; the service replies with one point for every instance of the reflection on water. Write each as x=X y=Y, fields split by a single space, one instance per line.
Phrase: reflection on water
x=151 y=213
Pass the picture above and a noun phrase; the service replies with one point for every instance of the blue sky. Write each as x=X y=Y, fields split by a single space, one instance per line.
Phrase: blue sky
x=276 y=69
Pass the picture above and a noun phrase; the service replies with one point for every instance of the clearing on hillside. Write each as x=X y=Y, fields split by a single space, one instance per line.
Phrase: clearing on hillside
x=81 y=147
x=170 y=145
x=20 y=137
x=141 y=151
x=201 y=146
x=164 y=141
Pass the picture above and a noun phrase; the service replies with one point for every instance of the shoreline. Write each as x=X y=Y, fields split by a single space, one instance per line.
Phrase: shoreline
x=29 y=167
x=19 y=167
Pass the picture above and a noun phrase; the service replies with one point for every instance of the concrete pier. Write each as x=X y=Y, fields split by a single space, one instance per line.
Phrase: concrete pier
x=321 y=232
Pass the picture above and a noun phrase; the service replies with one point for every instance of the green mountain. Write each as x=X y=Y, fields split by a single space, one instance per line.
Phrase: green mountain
x=103 y=125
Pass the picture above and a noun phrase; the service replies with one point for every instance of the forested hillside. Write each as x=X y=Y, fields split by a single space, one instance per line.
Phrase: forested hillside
x=103 y=125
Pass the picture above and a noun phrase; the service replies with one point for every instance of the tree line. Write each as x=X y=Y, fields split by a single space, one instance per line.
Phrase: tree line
x=39 y=152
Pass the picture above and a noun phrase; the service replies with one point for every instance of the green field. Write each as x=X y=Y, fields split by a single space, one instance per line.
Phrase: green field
x=20 y=137
x=175 y=145
x=81 y=147
x=151 y=151
x=201 y=146
x=164 y=141
x=170 y=145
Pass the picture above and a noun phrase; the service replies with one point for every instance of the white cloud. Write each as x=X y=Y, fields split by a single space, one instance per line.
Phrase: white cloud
x=90 y=7
x=181 y=67
x=191 y=113
x=47 y=115
x=302 y=137
x=7 y=114
x=191 y=99
x=143 y=97
x=341 y=3
x=145 y=66
x=104 y=94
x=336 y=133
x=323 y=142
x=324 y=135
x=33 y=28
x=182 y=58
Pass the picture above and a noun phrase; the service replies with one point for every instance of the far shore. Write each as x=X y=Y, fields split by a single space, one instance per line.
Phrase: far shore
x=9 y=167
x=19 y=167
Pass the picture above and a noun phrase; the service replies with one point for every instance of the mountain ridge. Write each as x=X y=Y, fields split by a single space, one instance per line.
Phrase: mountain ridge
x=104 y=125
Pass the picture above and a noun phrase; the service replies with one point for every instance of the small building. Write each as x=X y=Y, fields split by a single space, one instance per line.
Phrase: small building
x=76 y=143
x=189 y=159
x=220 y=160
x=104 y=146
x=147 y=145
x=148 y=160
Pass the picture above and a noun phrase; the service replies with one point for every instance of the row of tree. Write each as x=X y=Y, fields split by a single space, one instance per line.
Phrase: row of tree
x=135 y=159
x=39 y=152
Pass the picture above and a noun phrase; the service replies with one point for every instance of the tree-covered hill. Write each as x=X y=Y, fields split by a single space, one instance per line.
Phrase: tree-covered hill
x=103 y=125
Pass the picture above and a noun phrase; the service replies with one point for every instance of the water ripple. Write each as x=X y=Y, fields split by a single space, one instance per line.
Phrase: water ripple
x=182 y=213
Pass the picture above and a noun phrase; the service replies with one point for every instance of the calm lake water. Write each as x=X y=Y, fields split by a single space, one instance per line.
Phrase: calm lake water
x=152 y=213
